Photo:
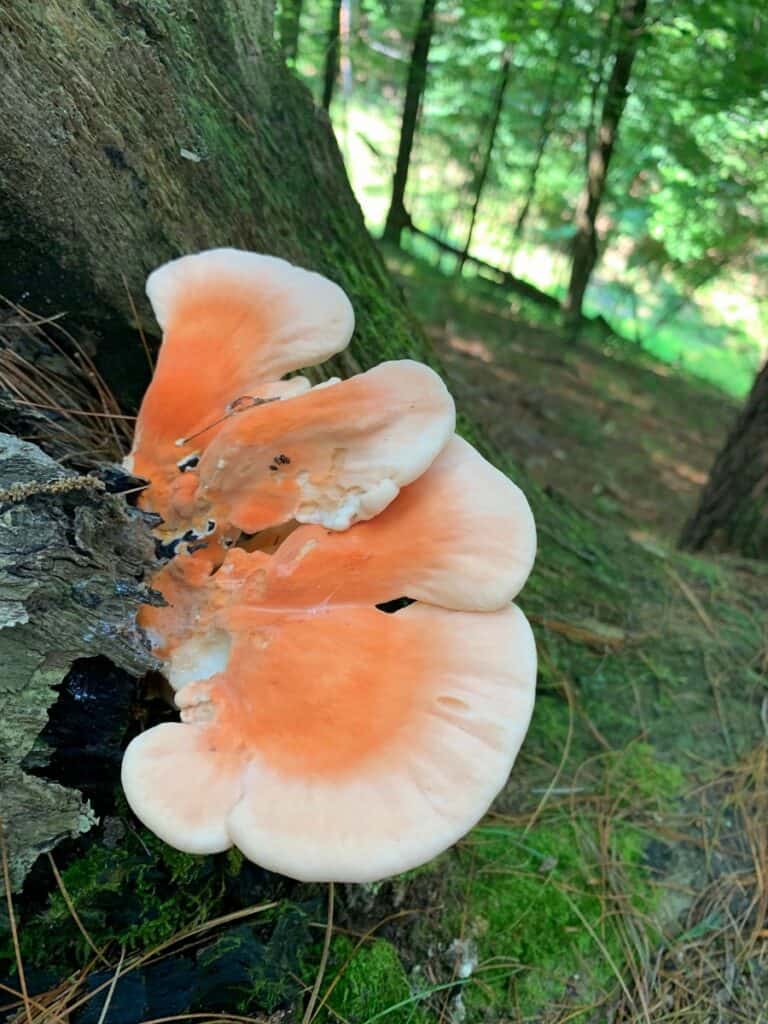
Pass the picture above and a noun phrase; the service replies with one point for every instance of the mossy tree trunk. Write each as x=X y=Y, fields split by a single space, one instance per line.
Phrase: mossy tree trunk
x=733 y=510
x=133 y=133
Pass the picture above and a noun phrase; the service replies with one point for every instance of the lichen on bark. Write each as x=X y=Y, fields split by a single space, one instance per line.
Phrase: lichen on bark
x=71 y=562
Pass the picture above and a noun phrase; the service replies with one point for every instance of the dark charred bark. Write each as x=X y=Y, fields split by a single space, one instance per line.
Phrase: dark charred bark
x=289 y=26
x=332 y=51
x=733 y=510
x=585 y=243
x=397 y=217
x=482 y=171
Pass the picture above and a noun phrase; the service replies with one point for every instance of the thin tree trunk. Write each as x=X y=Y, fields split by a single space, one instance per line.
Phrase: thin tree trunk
x=733 y=510
x=397 y=217
x=546 y=121
x=588 y=207
x=290 y=23
x=598 y=81
x=331 y=72
x=482 y=171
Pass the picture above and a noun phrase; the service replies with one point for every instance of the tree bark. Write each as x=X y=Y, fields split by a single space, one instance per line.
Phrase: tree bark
x=71 y=562
x=397 y=217
x=585 y=241
x=482 y=171
x=331 y=70
x=733 y=510
x=289 y=26
x=131 y=135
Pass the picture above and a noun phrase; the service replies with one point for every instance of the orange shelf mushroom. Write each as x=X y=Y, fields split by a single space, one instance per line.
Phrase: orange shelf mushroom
x=233 y=324
x=331 y=740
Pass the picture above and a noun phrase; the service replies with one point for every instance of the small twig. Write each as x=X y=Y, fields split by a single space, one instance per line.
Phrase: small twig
x=309 y=1012
x=73 y=912
x=236 y=406
x=77 y=412
x=111 y=989
x=693 y=600
x=140 y=329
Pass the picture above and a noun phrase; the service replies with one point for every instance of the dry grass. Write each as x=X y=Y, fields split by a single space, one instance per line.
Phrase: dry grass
x=716 y=969
x=53 y=393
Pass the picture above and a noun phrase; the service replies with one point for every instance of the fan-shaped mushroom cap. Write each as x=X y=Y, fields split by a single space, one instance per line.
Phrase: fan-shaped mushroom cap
x=335 y=455
x=233 y=323
x=340 y=744
x=461 y=536
x=349 y=744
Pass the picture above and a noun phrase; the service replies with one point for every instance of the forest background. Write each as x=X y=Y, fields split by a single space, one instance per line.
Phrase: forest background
x=513 y=98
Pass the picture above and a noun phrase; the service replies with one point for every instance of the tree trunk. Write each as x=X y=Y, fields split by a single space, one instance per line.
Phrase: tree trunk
x=132 y=135
x=485 y=165
x=290 y=23
x=588 y=207
x=397 y=217
x=331 y=71
x=733 y=510
x=546 y=122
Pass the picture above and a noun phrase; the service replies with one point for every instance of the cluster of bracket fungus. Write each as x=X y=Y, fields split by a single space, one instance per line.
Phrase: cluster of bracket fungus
x=327 y=739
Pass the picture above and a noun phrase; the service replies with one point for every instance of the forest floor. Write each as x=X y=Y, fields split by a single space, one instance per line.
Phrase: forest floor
x=623 y=874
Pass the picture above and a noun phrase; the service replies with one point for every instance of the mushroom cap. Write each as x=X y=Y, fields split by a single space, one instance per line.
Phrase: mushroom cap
x=328 y=739
x=343 y=744
x=335 y=455
x=461 y=536
x=233 y=324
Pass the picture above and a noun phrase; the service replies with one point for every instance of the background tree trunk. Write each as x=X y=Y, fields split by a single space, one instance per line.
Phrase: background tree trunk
x=289 y=26
x=588 y=207
x=331 y=71
x=547 y=119
x=482 y=172
x=733 y=510
x=132 y=135
x=397 y=217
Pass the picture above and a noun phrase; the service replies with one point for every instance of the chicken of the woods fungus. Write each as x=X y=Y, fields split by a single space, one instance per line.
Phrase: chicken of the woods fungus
x=327 y=737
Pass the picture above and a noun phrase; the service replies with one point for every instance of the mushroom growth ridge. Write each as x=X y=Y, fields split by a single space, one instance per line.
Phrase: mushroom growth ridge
x=327 y=737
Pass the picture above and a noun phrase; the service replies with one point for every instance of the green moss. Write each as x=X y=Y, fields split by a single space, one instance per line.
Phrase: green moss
x=636 y=773
x=537 y=912
x=372 y=984
x=136 y=894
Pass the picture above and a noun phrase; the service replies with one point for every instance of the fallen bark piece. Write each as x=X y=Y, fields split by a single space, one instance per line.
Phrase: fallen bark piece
x=71 y=563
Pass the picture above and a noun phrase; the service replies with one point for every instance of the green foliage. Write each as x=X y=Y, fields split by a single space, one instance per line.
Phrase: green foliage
x=685 y=220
